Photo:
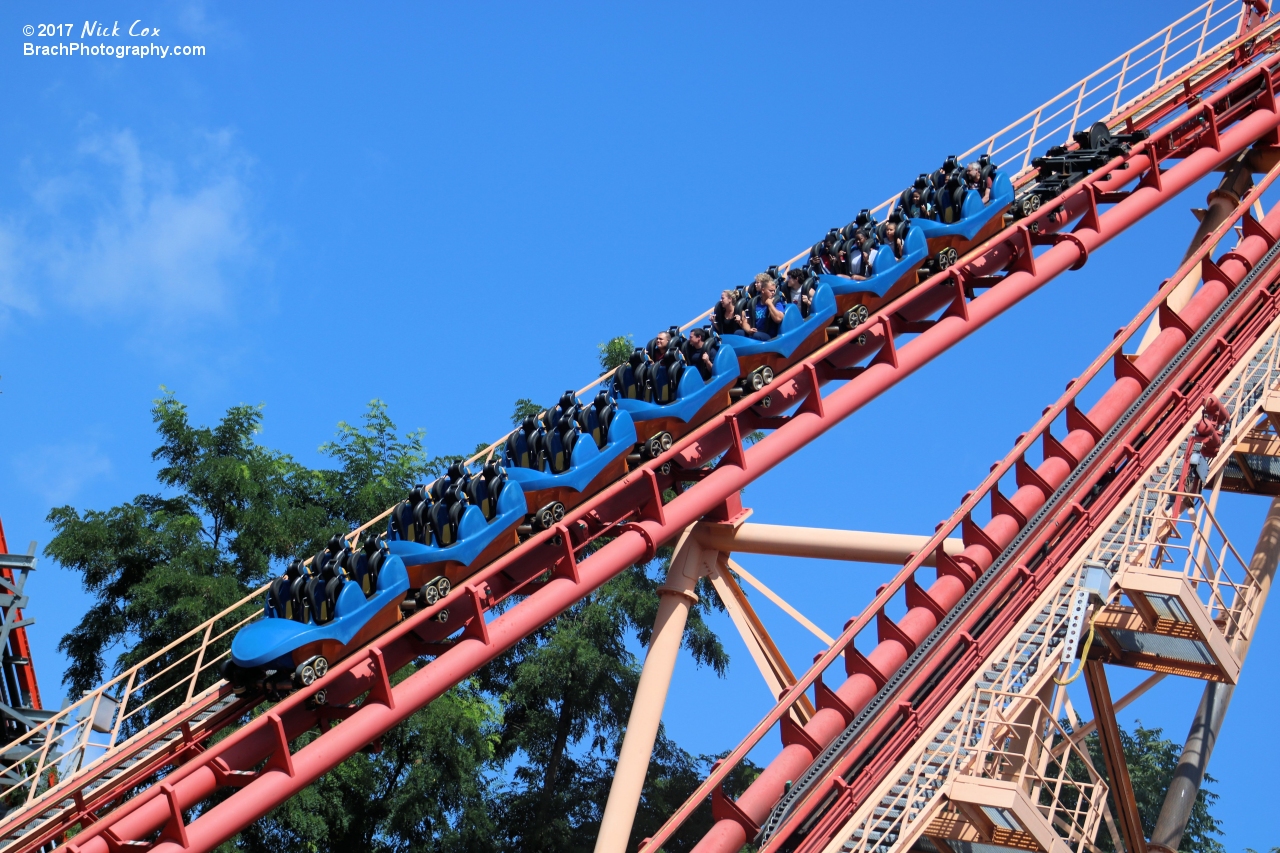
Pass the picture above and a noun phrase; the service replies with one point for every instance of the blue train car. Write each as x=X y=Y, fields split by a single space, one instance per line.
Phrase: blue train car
x=855 y=300
x=951 y=234
x=569 y=475
x=760 y=361
x=660 y=424
x=293 y=644
x=438 y=558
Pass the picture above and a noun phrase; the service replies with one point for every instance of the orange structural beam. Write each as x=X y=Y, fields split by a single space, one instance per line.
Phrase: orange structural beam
x=822 y=543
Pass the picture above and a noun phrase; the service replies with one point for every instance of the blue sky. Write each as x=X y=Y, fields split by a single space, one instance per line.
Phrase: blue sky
x=447 y=207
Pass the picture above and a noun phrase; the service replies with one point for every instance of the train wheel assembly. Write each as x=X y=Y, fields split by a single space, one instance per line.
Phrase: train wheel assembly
x=856 y=316
x=947 y=256
x=658 y=444
x=546 y=518
x=310 y=670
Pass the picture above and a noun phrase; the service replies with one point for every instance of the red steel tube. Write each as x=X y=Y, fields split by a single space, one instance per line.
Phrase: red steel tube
x=373 y=718
x=758 y=800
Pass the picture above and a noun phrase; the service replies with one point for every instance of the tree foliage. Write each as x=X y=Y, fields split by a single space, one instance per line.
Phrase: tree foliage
x=1151 y=759
x=161 y=564
x=519 y=758
x=615 y=352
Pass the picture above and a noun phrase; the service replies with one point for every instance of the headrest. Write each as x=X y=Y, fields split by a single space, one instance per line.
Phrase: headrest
x=921 y=183
x=950 y=164
x=295 y=570
x=602 y=399
x=336 y=543
x=530 y=425
x=864 y=218
x=456 y=471
x=833 y=237
x=372 y=546
x=418 y=495
x=637 y=357
x=491 y=470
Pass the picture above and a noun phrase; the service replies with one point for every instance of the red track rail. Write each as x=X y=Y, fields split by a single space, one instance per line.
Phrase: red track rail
x=1026 y=569
x=631 y=511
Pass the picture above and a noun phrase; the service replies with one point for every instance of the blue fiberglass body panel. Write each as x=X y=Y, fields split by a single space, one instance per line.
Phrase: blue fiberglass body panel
x=271 y=640
x=794 y=329
x=691 y=394
x=974 y=214
x=915 y=248
x=474 y=533
x=586 y=461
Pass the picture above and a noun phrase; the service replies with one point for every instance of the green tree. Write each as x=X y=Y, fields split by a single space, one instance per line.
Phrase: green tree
x=376 y=467
x=161 y=564
x=524 y=408
x=615 y=352
x=566 y=694
x=1151 y=759
x=425 y=786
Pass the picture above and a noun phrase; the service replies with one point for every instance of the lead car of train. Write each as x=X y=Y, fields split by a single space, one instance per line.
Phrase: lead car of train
x=445 y=531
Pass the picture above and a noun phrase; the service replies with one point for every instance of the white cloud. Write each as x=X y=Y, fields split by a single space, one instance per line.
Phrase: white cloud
x=127 y=233
x=13 y=294
x=58 y=472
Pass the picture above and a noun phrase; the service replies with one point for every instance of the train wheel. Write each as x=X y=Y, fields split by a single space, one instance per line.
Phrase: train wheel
x=546 y=518
x=856 y=316
x=1029 y=204
x=755 y=381
x=321 y=698
x=557 y=511
x=320 y=665
x=429 y=594
x=665 y=439
x=304 y=675
x=766 y=373
x=443 y=615
x=443 y=587
x=947 y=257
x=654 y=447
x=664 y=469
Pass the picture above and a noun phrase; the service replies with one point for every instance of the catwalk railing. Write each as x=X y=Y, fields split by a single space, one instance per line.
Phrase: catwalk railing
x=1136 y=88
x=1005 y=479
x=1138 y=531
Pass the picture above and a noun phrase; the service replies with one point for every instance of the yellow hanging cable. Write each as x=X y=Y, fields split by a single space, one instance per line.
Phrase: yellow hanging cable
x=1084 y=652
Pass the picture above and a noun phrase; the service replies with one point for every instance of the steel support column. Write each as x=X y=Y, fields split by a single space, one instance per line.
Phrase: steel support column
x=1189 y=774
x=1104 y=715
x=690 y=562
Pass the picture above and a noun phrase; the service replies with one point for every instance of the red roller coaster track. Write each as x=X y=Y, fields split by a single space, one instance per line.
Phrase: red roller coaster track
x=1199 y=119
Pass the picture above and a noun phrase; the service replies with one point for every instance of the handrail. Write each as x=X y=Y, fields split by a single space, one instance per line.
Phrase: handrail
x=1224 y=12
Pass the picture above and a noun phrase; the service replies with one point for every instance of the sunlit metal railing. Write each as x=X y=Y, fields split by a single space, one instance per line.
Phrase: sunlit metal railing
x=1018 y=740
x=1145 y=529
x=117 y=721
x=1104 y=95
x=1183 y=535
